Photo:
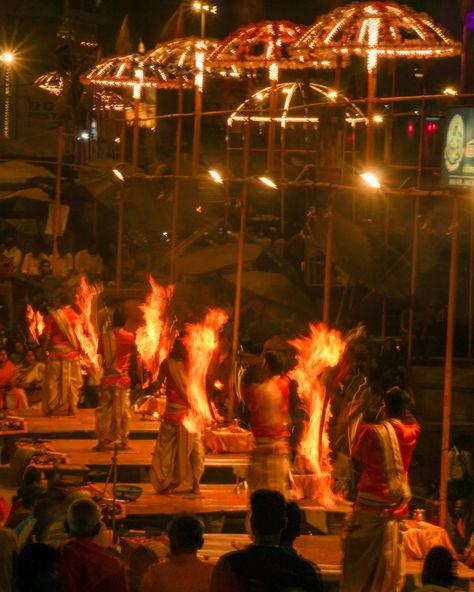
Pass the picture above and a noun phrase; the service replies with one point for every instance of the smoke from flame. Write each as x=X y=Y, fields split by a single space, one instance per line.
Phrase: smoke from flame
x=201 y=341
x=321 y=350
x=35 y=322
x=85 y=331
x=153 y=338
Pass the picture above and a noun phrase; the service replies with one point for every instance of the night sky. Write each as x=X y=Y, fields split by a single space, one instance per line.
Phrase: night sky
x=147 y=17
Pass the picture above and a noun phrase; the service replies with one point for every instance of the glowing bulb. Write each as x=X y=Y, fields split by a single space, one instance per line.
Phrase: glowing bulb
x=450 y=91
x=273 y=71
x=118 y=174
x=259 y=96
x=268 y=182
x=378 y=119
x=199 y=209
x=197 y=6
x=371 y=180
x=332 y=95
x=216 y=176
x=7 y=57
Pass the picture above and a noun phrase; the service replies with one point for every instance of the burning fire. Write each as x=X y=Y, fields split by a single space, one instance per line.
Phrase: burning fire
x=85 y=330
x=201 y=341
x=153 y=339
x=35 y=322
x=321 y=350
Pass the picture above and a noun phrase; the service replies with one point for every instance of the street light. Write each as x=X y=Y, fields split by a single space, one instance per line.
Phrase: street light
x=216 y=176
x=268 y=182
x=7 y=57
x=203 y=8
x=371 y=180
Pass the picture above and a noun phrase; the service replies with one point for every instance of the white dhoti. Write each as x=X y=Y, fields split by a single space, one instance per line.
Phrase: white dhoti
x=373 y=553
x=178 y=457
x=113 y=415
x=63 y=380
x=269 y=466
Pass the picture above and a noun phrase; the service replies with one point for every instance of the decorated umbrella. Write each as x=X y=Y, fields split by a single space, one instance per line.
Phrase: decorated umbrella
x=264 y=45
x=375 y=30
x=51 y=82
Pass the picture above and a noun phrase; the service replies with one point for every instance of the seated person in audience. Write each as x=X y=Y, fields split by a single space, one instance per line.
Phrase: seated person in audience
x=23 y=510
x=438 y=571
x=64 y=262
x=13 y=253
x=32 y=262
x=184 y=570
x=83 y=564
x=10 y=396
x=36 y=569
x=17 y=356
x=265 y=566
x=31 y=377
x=460 y=525
x=89 y=262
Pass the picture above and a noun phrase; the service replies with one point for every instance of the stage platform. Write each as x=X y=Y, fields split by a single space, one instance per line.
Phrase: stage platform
x=82 y=425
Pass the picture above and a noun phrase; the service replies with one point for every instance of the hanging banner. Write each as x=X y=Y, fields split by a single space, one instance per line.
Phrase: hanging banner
x=457 y=160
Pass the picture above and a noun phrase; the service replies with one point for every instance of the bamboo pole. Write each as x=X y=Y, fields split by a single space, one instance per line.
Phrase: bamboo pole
x=177 y=168
x=136 y=135
x=57 y=197
x=240 y=262
x=416 y=230
x=371 y=86
x=271 y=126
x=384 y=300
x=328 y=263
x=197 y=130
x=448 y=368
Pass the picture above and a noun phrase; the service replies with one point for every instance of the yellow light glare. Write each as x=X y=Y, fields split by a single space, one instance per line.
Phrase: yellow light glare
x=7 y=57
x=332 y=94
x=268 y=182
x=216 y=176
x=378 y=119
x=371 y=180
x=118 y=173
x=450 y=91
x=197 y=6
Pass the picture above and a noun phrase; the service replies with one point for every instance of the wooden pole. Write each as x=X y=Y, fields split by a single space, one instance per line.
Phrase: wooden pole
x=121 y=204
x=384 y=300
x=371 y=86
x=240 y=262
x=177 y=168
x=416 y=230
x=57 y=197
x=197 y=130
x=328 y=264
x=282 y=176
x=118 y=276
x=136 y=135
x=470 y=311
x=448 y=368
x=271 y=126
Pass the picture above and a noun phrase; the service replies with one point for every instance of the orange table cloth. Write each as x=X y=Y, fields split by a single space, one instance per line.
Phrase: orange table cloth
x=421 y=537
x=226 y=440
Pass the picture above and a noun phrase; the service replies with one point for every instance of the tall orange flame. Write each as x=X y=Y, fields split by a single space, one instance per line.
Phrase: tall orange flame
x=321 y=350
x=201 y=341
x=35 y=322
x=85 y=330
x=153 y=338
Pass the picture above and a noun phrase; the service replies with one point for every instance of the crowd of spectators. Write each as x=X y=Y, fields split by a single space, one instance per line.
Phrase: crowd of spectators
x=54 y=540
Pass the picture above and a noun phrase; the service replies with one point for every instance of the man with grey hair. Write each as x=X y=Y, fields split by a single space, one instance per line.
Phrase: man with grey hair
x=84 y=565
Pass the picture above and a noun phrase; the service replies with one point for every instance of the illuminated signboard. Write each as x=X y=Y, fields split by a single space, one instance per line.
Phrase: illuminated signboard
x=457 y=159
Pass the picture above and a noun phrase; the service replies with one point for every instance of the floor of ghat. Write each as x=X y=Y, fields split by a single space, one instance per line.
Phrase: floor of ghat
x=222 y=505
